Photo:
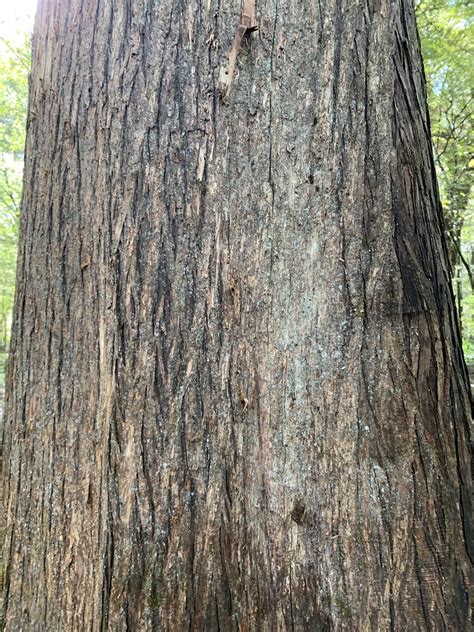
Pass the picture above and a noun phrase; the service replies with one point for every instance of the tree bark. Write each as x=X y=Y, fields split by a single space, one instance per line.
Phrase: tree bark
x=236 y=397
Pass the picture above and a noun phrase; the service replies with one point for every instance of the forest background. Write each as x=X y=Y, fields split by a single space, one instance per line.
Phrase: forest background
x=446 y=29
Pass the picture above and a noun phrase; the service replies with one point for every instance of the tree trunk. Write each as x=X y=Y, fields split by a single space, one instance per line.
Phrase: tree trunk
x=237 y=398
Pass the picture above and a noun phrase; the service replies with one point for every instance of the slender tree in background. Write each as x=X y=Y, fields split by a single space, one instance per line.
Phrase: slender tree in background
x=237 y=398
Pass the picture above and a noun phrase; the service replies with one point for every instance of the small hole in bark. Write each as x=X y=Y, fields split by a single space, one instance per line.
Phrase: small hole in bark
x=299 y=510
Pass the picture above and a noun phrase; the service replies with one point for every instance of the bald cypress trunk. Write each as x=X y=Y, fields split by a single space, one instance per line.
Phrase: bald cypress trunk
x=236 y=396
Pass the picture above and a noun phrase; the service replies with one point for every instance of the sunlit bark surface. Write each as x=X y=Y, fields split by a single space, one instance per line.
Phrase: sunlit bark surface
x=236 y=398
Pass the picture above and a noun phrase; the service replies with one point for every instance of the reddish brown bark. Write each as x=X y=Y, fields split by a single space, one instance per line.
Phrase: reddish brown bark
x=237 y=398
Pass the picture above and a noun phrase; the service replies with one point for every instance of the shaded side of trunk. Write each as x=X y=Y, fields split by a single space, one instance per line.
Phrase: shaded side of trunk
x=237 y=398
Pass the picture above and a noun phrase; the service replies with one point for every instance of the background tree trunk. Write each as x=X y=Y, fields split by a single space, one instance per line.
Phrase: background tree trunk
x=237 y=398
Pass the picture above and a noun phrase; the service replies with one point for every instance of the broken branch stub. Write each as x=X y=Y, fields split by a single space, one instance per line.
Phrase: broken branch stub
x=247 y=25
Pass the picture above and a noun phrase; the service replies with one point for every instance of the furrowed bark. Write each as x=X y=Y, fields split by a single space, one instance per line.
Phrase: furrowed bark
x=236 y=397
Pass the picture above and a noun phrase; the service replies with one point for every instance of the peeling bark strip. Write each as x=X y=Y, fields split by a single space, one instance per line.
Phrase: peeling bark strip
x=248 y=24
x=236 y=399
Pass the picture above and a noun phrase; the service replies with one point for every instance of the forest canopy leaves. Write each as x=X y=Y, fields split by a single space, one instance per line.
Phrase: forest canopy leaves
x=447 y=37
x=14 y=69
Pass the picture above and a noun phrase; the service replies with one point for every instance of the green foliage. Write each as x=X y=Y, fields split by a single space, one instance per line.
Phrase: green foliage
x=14 y=69
x=447 y=37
